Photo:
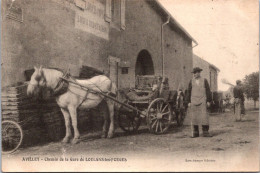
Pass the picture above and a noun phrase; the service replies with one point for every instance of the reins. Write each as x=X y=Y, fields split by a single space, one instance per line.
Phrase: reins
x=105 y=95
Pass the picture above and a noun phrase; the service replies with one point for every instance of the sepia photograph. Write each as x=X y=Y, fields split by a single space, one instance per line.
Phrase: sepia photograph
x=130 y=86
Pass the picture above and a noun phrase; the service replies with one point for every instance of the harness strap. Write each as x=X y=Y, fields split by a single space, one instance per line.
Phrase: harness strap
x=62 y=86
x=111 y=94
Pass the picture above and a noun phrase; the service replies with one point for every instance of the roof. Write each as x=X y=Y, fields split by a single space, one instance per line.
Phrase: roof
x=172 y=19
x=210 y=65
x=213 y=66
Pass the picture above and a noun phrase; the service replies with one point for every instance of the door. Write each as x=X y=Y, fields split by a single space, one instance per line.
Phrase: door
x=113 y=69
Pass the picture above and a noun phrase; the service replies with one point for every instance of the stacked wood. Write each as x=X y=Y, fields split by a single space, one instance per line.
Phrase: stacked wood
x=53 y=120
x=146 y=82
x=84 y=120
x=41 y=119
x=34 y=136
x=51 y=117
x=97 y=116
x=48 y=105
x=97 y=120
x=54 y=124
x=87 y=72
x=18 y=107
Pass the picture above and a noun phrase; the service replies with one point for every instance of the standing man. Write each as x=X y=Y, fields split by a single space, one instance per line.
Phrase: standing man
x=199 y=97
x=239 y=101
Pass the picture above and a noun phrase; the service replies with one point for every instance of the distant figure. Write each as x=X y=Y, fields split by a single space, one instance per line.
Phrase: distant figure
x=239 y=102
x=199 y=97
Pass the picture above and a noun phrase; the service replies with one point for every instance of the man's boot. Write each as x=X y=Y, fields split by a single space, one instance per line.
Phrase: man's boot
x=205 y=129
x=195 y=132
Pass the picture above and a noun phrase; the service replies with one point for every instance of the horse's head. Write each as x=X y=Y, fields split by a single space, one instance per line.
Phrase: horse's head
x=36 y=83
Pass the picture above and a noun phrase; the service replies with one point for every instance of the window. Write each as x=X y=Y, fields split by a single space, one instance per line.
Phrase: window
x=124 y=70
x=115 y=13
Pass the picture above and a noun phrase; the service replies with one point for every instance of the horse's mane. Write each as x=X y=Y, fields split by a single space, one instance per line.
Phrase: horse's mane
x=54 y=68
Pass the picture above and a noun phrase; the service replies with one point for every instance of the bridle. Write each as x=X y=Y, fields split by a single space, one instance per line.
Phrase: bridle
x=37 y=83
x=59 y=88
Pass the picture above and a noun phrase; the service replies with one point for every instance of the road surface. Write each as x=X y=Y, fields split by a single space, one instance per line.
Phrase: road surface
x=233 y=147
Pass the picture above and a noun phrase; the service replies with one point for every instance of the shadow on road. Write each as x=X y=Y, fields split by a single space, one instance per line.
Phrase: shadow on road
x=90 y=137
x=219 y=132
x=139 y=132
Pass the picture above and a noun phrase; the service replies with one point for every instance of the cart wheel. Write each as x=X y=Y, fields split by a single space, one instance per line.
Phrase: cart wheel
x=128 y=120
x=12 y=136
x=159 y=116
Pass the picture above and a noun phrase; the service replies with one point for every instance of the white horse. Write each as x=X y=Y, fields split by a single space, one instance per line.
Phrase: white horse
x=70 y=97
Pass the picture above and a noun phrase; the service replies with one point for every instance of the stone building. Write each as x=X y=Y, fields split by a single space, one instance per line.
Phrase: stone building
x=210 y=71
x=122 y=38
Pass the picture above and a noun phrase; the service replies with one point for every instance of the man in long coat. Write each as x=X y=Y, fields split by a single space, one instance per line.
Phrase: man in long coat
x=239 y=101
x=199 y=97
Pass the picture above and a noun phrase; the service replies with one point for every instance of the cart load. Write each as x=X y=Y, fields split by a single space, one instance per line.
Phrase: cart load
x=158 y=105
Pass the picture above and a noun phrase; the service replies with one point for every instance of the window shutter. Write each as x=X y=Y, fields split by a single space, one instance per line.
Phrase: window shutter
x=108 y=11
x=122 y=11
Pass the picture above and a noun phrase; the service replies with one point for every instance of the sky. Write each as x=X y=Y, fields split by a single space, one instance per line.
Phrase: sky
x=227 y=32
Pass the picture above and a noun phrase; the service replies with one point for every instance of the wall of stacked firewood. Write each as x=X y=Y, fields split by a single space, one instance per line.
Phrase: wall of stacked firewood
x=17 y=106
x=41 y=119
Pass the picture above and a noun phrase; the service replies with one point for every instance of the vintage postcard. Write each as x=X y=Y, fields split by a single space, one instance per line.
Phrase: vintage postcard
x=130 y=85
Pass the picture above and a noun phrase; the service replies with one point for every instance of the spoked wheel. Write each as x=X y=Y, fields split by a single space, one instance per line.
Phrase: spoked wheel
x=159 y=116
x=128 y=120
x=12 y=136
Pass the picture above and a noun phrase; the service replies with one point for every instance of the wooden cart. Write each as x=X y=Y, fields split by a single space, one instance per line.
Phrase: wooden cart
x=160 y=108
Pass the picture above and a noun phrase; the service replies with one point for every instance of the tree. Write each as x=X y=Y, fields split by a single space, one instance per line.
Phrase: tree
x=251 y=86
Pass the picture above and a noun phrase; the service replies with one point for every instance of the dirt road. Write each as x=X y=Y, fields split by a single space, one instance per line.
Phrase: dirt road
x=234 y=146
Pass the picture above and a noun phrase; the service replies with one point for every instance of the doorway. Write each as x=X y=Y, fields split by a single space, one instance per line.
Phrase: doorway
x=113 y=69
x=144 y=64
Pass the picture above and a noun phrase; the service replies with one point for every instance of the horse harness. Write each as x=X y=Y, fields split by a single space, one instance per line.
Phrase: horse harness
x=62 y=86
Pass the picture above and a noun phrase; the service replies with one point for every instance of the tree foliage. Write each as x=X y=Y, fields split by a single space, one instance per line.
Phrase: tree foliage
x=251 y=86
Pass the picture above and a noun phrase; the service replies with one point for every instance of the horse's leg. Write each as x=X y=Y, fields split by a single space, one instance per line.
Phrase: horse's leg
x=104 y=110
x=67 y=124
x=73 y=115
x=111 y=105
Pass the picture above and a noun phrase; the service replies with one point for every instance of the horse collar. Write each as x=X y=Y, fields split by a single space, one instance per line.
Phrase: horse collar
x=62 y=86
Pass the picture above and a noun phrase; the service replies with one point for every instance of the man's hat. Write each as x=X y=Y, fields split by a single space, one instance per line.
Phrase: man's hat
x=196 y=69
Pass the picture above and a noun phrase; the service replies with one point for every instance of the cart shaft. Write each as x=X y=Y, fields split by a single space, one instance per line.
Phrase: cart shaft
x=105 y=95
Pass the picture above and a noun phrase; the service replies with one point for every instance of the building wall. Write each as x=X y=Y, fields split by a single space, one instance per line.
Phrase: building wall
x=204 y=65
x=213 y=79
x=144 y=33
x=209 y=72
x=48 y=37
x=136 y=37
x=178 y=58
